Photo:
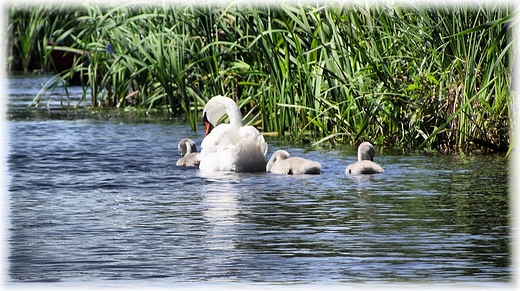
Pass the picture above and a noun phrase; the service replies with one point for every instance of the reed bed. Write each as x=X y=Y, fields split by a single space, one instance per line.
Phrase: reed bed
x=414 y=77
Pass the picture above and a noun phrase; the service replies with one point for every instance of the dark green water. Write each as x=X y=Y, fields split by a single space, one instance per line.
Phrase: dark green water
x=99 y=201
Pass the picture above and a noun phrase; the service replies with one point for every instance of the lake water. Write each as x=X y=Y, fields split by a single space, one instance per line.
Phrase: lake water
x=103 y=201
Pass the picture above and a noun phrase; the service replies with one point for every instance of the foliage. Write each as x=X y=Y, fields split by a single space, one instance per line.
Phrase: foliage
x=408 y=76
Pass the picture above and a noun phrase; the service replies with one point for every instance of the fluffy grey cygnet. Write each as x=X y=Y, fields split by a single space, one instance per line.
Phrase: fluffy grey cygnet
x=281 y=162
x=365 y=164
x=189 y=153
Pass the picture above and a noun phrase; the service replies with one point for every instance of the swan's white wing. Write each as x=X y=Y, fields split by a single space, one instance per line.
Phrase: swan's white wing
x=221 y=138
x=251 y=132
x=217 y=148
x=249 y=153
x=232 y=148
x=248 y=156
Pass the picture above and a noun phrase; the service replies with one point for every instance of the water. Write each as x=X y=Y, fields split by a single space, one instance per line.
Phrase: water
x=102 y=201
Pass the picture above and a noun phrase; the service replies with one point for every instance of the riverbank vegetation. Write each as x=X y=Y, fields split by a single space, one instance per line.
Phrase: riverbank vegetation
x=437 y=77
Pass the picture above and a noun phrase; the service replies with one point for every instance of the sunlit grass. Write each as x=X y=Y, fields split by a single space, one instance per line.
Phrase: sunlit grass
x=405 y=76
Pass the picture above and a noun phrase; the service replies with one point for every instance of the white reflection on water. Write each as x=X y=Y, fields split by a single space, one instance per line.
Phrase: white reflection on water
x=219 y=197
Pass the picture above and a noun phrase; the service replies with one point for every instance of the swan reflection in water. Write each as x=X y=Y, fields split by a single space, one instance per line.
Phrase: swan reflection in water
x=220 y=194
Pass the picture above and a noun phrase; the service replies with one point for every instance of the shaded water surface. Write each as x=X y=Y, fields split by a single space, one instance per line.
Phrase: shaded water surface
x=103 y=200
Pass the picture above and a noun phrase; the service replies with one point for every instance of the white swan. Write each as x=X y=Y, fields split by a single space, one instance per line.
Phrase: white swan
x=188 y=150
x=230 y=147
x=365 y=164
x=282 y=163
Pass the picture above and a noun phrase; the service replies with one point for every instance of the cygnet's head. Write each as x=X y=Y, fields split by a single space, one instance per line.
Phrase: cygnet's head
x=366 y=152
x=279 y=155
x=187 y=146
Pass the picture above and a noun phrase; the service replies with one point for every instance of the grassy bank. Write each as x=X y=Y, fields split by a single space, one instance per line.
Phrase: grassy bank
x=406 y=76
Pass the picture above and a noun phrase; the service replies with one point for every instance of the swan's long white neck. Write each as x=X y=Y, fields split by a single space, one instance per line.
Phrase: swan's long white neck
x=219 y=106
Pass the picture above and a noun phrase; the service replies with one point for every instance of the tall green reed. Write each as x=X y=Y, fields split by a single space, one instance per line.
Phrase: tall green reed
x=414 y=77
x=29 y=29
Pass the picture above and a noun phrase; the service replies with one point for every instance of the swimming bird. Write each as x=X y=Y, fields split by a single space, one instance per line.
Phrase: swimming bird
x=188 y=150
x=230 y=146
x=365 y=164
x=281 y=162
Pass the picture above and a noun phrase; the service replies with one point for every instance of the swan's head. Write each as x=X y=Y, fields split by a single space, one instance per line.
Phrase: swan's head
x=187 y=146
x=216 y=108
x=366 y=152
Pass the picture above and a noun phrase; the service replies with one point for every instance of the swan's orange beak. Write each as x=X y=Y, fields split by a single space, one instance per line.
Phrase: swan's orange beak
x=207 y=124
x=209 y=127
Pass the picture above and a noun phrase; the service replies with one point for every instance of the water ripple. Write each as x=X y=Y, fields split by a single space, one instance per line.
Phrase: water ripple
x=103 y=200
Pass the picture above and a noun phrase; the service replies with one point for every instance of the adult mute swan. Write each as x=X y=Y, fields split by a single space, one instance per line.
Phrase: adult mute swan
x=365 y=164
x=281 y=162
x=188 y=150
x=230 y=146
